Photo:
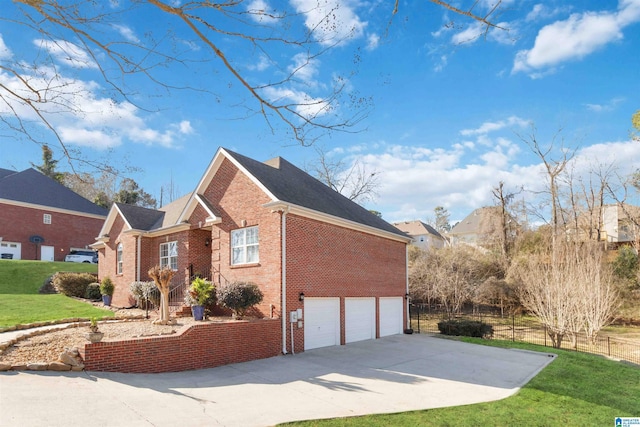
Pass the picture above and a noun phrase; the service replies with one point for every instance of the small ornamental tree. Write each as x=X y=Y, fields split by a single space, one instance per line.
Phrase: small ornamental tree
x=162 y=278
x=239 y=297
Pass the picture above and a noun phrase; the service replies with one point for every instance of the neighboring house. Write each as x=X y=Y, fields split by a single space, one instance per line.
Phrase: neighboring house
x=338 y=269
x=619 y=224
x=481 y=228
x=424 y=236
x=41 y=219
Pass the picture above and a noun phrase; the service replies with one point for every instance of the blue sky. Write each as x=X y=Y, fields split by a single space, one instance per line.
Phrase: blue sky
x=445 y=101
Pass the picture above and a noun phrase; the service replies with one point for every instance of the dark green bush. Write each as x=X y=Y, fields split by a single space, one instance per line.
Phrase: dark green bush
x=465 y=328
x=93 y=292
x=73 y=284
x=239 y=297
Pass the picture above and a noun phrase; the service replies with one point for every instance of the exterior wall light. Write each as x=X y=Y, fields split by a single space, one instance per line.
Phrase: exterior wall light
x=301 y=296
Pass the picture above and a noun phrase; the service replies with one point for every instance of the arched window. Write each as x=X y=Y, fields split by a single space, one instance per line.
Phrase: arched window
x=119 y=259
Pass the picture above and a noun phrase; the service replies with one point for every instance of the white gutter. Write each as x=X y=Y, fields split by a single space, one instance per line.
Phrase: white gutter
x=283 y=311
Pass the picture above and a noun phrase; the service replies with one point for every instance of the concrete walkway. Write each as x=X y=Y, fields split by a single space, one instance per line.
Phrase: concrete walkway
x=392 y=374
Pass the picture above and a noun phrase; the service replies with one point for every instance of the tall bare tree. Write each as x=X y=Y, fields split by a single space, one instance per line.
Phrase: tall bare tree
x=353 y=179
x=553 y=168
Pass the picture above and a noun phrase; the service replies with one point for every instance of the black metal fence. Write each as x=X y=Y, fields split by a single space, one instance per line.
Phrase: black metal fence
x=425 y=318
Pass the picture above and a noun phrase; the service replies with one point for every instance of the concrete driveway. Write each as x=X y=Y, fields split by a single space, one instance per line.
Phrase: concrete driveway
x=392 y=374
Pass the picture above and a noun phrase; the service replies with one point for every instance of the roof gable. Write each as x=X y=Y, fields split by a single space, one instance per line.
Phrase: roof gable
x=417 y=228
x=32 y=187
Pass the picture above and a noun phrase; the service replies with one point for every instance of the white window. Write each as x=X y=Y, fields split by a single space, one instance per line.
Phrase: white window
x=119 y=259
x=46 y=218
x=169 y=255
x=244 y=246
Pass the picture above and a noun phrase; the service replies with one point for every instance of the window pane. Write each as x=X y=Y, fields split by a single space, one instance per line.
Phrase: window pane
x=237 y=238
x=173 y=249
x=237 y=256
x=252 y=254
x=252 y=235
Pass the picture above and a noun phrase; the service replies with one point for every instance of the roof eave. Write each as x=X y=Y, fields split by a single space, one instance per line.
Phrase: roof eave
x=332 y=219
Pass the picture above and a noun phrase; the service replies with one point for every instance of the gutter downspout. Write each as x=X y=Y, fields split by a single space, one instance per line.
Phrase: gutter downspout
x=406 y=276
x=138 y=261
x=283 y=311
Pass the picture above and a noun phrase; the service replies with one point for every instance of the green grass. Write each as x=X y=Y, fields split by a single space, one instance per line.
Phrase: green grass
x=20 y=302
x=576 y=389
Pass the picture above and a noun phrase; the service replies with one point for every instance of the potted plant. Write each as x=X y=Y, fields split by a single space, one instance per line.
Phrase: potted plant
x=106 y=289
x=94 y=334
x=199 y=294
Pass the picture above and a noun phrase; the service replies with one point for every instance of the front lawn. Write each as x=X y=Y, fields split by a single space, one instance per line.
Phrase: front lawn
x=20 y=302
x=577 y=389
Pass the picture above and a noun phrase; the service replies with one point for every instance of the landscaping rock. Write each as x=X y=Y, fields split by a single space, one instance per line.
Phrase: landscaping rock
x=37 y=366
x=77 y=368
x=59 y=366
x=69 y=358
x=4 y=367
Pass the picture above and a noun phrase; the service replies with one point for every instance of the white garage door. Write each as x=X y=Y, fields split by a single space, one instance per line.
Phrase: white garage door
x=10 y=250
x=321 y=322
x=360 y=319
x=391 y=315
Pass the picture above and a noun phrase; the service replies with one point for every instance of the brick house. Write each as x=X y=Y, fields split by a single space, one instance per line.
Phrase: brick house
x=331 y=271
x=41 y=219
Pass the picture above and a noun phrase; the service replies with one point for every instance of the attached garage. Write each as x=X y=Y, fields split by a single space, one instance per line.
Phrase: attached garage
x=10 y=250
x=360 y=319
x=391 y=315
x=321 y=322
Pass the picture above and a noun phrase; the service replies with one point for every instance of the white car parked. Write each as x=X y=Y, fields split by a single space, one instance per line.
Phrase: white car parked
x=82 y=256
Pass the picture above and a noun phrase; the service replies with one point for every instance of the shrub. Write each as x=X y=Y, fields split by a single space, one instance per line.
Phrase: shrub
x=93 y=291
x=239 y=296
x=106 y=286
x=465 y=328
x=73 y=284
x=145 y=292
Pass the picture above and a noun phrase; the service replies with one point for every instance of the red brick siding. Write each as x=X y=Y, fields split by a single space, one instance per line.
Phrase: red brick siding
x=238 y=199
x=324 y=260
x=18 y=223
x=107 y=263
x=202 y=346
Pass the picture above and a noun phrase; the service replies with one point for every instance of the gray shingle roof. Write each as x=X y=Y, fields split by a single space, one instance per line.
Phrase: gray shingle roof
x=30 y=186
x=291 y=184
x=140 y=218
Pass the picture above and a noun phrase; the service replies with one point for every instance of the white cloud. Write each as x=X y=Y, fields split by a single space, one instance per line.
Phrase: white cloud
x=609 y=106
x=332 y=21
x=576 y=37
x=185 y=127
x=304 y=69
x=262 y=64
x=5 y=52
x=260 y=12
x=127 y=33
x=66 y=53
x=373 y=41
x=488 y=127
x=469 y=34
x=81 y=116
x=304 y=104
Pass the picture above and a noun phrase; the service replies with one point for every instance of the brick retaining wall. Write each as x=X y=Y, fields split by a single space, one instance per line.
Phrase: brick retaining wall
x=201 y=346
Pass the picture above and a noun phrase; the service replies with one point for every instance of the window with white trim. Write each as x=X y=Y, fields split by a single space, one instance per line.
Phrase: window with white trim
x=244 y=246
x=119 y=259
x=46 y=218
x=169 y=255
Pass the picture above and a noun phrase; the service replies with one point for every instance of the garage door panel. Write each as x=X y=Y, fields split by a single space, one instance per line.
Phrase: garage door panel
x=10 y=250
x=360 y=319
x=321 y=322
x=391 y=316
